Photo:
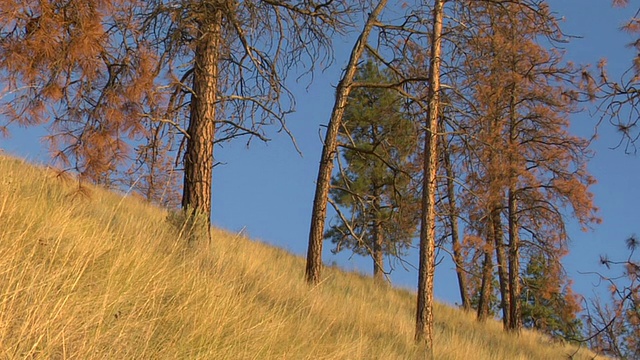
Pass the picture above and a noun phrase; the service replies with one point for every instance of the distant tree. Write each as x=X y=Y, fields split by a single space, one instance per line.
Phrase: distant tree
x=105 y=75
x=154 y=173
x=548 y=303
x=373 y=192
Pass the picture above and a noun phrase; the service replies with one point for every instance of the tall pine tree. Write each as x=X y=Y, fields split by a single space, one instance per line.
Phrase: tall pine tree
x=373 y=192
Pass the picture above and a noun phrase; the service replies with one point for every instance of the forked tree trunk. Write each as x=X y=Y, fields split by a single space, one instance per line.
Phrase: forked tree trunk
x=426 y=269
x=323 y=182
x=501 y=260
x=198 y=160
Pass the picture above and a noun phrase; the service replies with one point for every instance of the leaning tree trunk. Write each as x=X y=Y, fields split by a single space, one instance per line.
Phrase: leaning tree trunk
x=501 y=260
x=426 y=269
x=323 y=183
x=198 y=160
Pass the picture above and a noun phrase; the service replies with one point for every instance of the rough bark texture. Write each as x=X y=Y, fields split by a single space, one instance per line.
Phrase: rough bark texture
x=198 y=161
x=323 y=182
x=424 y=311
x=455 y=236
x=501 y=260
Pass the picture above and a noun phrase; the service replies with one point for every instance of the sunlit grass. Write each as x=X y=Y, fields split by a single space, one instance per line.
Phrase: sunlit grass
x=102 y=276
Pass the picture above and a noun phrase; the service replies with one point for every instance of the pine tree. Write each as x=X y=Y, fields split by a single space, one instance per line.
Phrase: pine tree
x=104 y=75
x=323 y=183
x=373 y=191
x=548 y=303
x=524 y=169
x=427 y=258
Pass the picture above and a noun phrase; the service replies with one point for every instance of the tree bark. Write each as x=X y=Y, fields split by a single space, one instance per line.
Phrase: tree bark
x=501 y=260
x=323 y=182
x=486 y=287
x=198 y=160
x=378 y=239
x=515 y=322
x=426 y=269
x=455 y=236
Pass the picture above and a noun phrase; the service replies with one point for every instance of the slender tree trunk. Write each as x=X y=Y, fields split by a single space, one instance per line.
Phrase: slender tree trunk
x=198 y=160
x=426 y=270
x=378 y=236
x=501 y=260
x=455 y=236
x=323 y=182
x=378 y=259
x=486 y=287
x=515 y=322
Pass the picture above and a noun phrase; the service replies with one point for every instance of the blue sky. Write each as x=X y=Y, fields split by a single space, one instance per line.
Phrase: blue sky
x=267 y=190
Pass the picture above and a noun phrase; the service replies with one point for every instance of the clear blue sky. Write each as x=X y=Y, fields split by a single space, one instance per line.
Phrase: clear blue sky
x=267 y=190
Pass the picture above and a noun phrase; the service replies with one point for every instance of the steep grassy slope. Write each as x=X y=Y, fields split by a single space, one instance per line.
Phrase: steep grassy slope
x=102 y=276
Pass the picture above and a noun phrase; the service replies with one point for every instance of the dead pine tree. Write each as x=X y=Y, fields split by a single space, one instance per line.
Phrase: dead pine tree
x=101 y=74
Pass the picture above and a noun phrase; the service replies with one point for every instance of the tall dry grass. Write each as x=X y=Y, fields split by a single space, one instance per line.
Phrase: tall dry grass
x=105 y=276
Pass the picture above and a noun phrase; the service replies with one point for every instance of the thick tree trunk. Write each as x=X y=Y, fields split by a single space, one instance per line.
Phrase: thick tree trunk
x=323 y=182
x=501 y=260
x=486 y=287
x=426 y=269
x=455 y=236
x=198 y=160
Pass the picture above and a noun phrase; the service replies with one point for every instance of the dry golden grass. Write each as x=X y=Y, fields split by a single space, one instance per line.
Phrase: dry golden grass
x=102 y=276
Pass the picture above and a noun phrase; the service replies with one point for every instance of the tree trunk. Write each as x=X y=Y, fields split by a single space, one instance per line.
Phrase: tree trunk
x=378 y=237
x=514 y=265
x=198 y=160
x=426 y=269
x=378 y=259
x=455 y=236
x=486 y=287
x=323 y=182
x=514 y=238
x=502 y=266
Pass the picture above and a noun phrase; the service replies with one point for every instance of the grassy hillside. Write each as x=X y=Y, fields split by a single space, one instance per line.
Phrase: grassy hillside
x=97 y=275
